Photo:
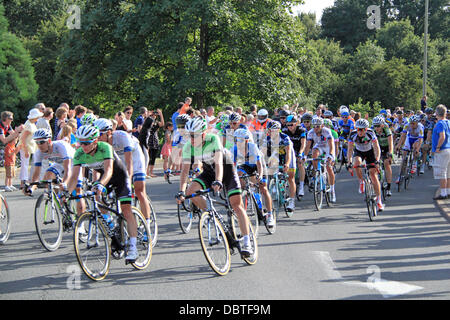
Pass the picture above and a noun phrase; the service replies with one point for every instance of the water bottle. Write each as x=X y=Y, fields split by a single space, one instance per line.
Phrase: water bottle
x=109 y=220
x=258 y=199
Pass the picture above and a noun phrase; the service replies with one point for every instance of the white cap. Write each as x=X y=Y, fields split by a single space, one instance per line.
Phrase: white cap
x=34 y=114
x=263 y=112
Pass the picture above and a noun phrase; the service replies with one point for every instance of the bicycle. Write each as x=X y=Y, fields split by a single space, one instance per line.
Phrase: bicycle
x=219 y=238
x=279 y=192
x=106 y=239
x=406 y=167
x=383 y=182
x=369 y=193
x=51 y=216
x=5 y=220
x=187 y=210
x=342 y=157
x=321 y=186
x=253 y=205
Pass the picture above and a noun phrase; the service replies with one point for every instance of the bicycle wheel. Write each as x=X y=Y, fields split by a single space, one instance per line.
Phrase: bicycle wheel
x=286 y=195
x=185 y=217
x=250 y=207
x=5 y=221
x=214 y=243
x=153 y=222
x=274 y=194
x=318 y=194
x=370 y=200
x=93 y=255
x=48 y=221
x=143 y=242
x=251 y=260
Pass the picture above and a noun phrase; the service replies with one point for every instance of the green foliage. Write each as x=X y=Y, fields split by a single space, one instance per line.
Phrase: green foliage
x=17 y=85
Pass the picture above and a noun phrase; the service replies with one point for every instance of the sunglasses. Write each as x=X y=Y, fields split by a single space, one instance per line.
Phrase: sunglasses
x=282 y=118
x=306 y=121
x=234 y=123
x=361 y=129
x=291 y=125
x=41 y=142
x=318 y=126
x=377 y=126
x=86 y=143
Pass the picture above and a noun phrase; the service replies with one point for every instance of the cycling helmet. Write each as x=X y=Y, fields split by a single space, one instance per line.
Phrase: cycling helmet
x=423 y=116
x=103 y=125
x=414 y=118
x=42 y=134
x=87 y=132
x=307 y=117
x=235 y=117
x=379 y=120
x=196 y=125
x=242 y=134
x=327 y=123
x=275 y=125
x=88 y=118
x=345 y=114
x=362 y=124
x=291 y=118
x=317 y=121
x=328 y=113
x=181 y=120
x=429 y=110
x=263 y=115
x=343 y=108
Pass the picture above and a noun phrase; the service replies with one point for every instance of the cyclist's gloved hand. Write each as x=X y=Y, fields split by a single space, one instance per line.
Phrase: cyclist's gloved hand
x=217 y=186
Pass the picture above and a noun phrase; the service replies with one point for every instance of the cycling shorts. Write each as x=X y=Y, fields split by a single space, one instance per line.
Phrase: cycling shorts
x=230 y=179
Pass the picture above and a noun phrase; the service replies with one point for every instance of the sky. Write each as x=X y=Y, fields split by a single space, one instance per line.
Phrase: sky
x=316 y=6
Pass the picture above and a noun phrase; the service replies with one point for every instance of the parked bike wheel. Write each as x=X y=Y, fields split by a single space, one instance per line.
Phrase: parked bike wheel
x=48 y=221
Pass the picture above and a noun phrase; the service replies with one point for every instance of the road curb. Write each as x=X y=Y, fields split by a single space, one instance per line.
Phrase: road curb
x=443 y=205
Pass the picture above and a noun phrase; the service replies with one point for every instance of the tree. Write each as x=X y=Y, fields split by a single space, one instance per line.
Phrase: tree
x=17 y=85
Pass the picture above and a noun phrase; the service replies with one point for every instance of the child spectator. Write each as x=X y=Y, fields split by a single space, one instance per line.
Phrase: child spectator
x=10 y=164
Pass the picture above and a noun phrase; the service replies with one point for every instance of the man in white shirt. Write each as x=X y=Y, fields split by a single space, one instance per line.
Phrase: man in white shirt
x=210 y=118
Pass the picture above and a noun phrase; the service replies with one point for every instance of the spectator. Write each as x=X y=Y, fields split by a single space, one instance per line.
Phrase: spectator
x=40 y=106
x=27 y=145
x=186 y=105
x=440 y=145
x=119 y=117
x=7 y=134
x=166 y=149
x=210 y=118
x=144 y=135
x=176 y=114
x=128 y=112
x=10 y=164
x=423 y=103
x=60 y=120
x=253 y=110
x=80 y=111
x=44 y=122
x=239 y=110
x=139 y=121
x=153 y=141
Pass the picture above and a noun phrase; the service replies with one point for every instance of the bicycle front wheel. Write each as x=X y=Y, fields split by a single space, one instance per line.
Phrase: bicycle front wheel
x=143 y=241
x=185 y=217
x=254 y=256
x=153 y=222
x=250 y=207
x=5 y=221
x=92 y=246
x=274 y=194
x=48 y=222
x=214 y=244
x=370 y=200
x=318 y=194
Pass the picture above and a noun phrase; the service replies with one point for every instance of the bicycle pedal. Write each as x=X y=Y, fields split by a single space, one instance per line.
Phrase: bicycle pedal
x=127 y=262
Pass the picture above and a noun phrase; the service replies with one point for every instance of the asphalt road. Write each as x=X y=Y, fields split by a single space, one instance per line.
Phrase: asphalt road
x=336 y=253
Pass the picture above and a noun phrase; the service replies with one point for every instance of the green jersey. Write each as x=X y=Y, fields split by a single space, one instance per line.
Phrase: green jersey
x=383 y=137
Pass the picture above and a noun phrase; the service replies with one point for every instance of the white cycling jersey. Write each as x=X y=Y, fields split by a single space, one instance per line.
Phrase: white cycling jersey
x=124 y=142
x=61 y=151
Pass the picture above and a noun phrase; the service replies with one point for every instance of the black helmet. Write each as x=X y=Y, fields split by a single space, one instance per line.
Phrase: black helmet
x=307 y=117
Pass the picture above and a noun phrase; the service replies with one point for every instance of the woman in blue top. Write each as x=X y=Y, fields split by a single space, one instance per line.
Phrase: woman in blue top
x=440 y=145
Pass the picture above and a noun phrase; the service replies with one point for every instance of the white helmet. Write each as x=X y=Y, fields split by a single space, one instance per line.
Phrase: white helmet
x=317 y=121
x=103 y=124
x=196 y=125
x=362 y=124
x=378 y=120
x=42 y=134
x=263 y=115
x=242 y=134
x=88 y=118
x=87 y=132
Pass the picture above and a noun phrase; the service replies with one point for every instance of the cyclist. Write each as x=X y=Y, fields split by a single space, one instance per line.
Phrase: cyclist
x=320 y=141
x=234 y=123
x=412 y=138
x=399 y=122
x=248 y=159
x=306 y=121
x=130 y=153
x=328 y=114
x=218 y=172
x=60 y=156
x=279 y=150
x=365 y=144
x=297 y=134
x=345 y=124
x=100 y=156
x=428 y=126
x=328 y=124
x=282 y=115
x=386 y=142
x=178 y=141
